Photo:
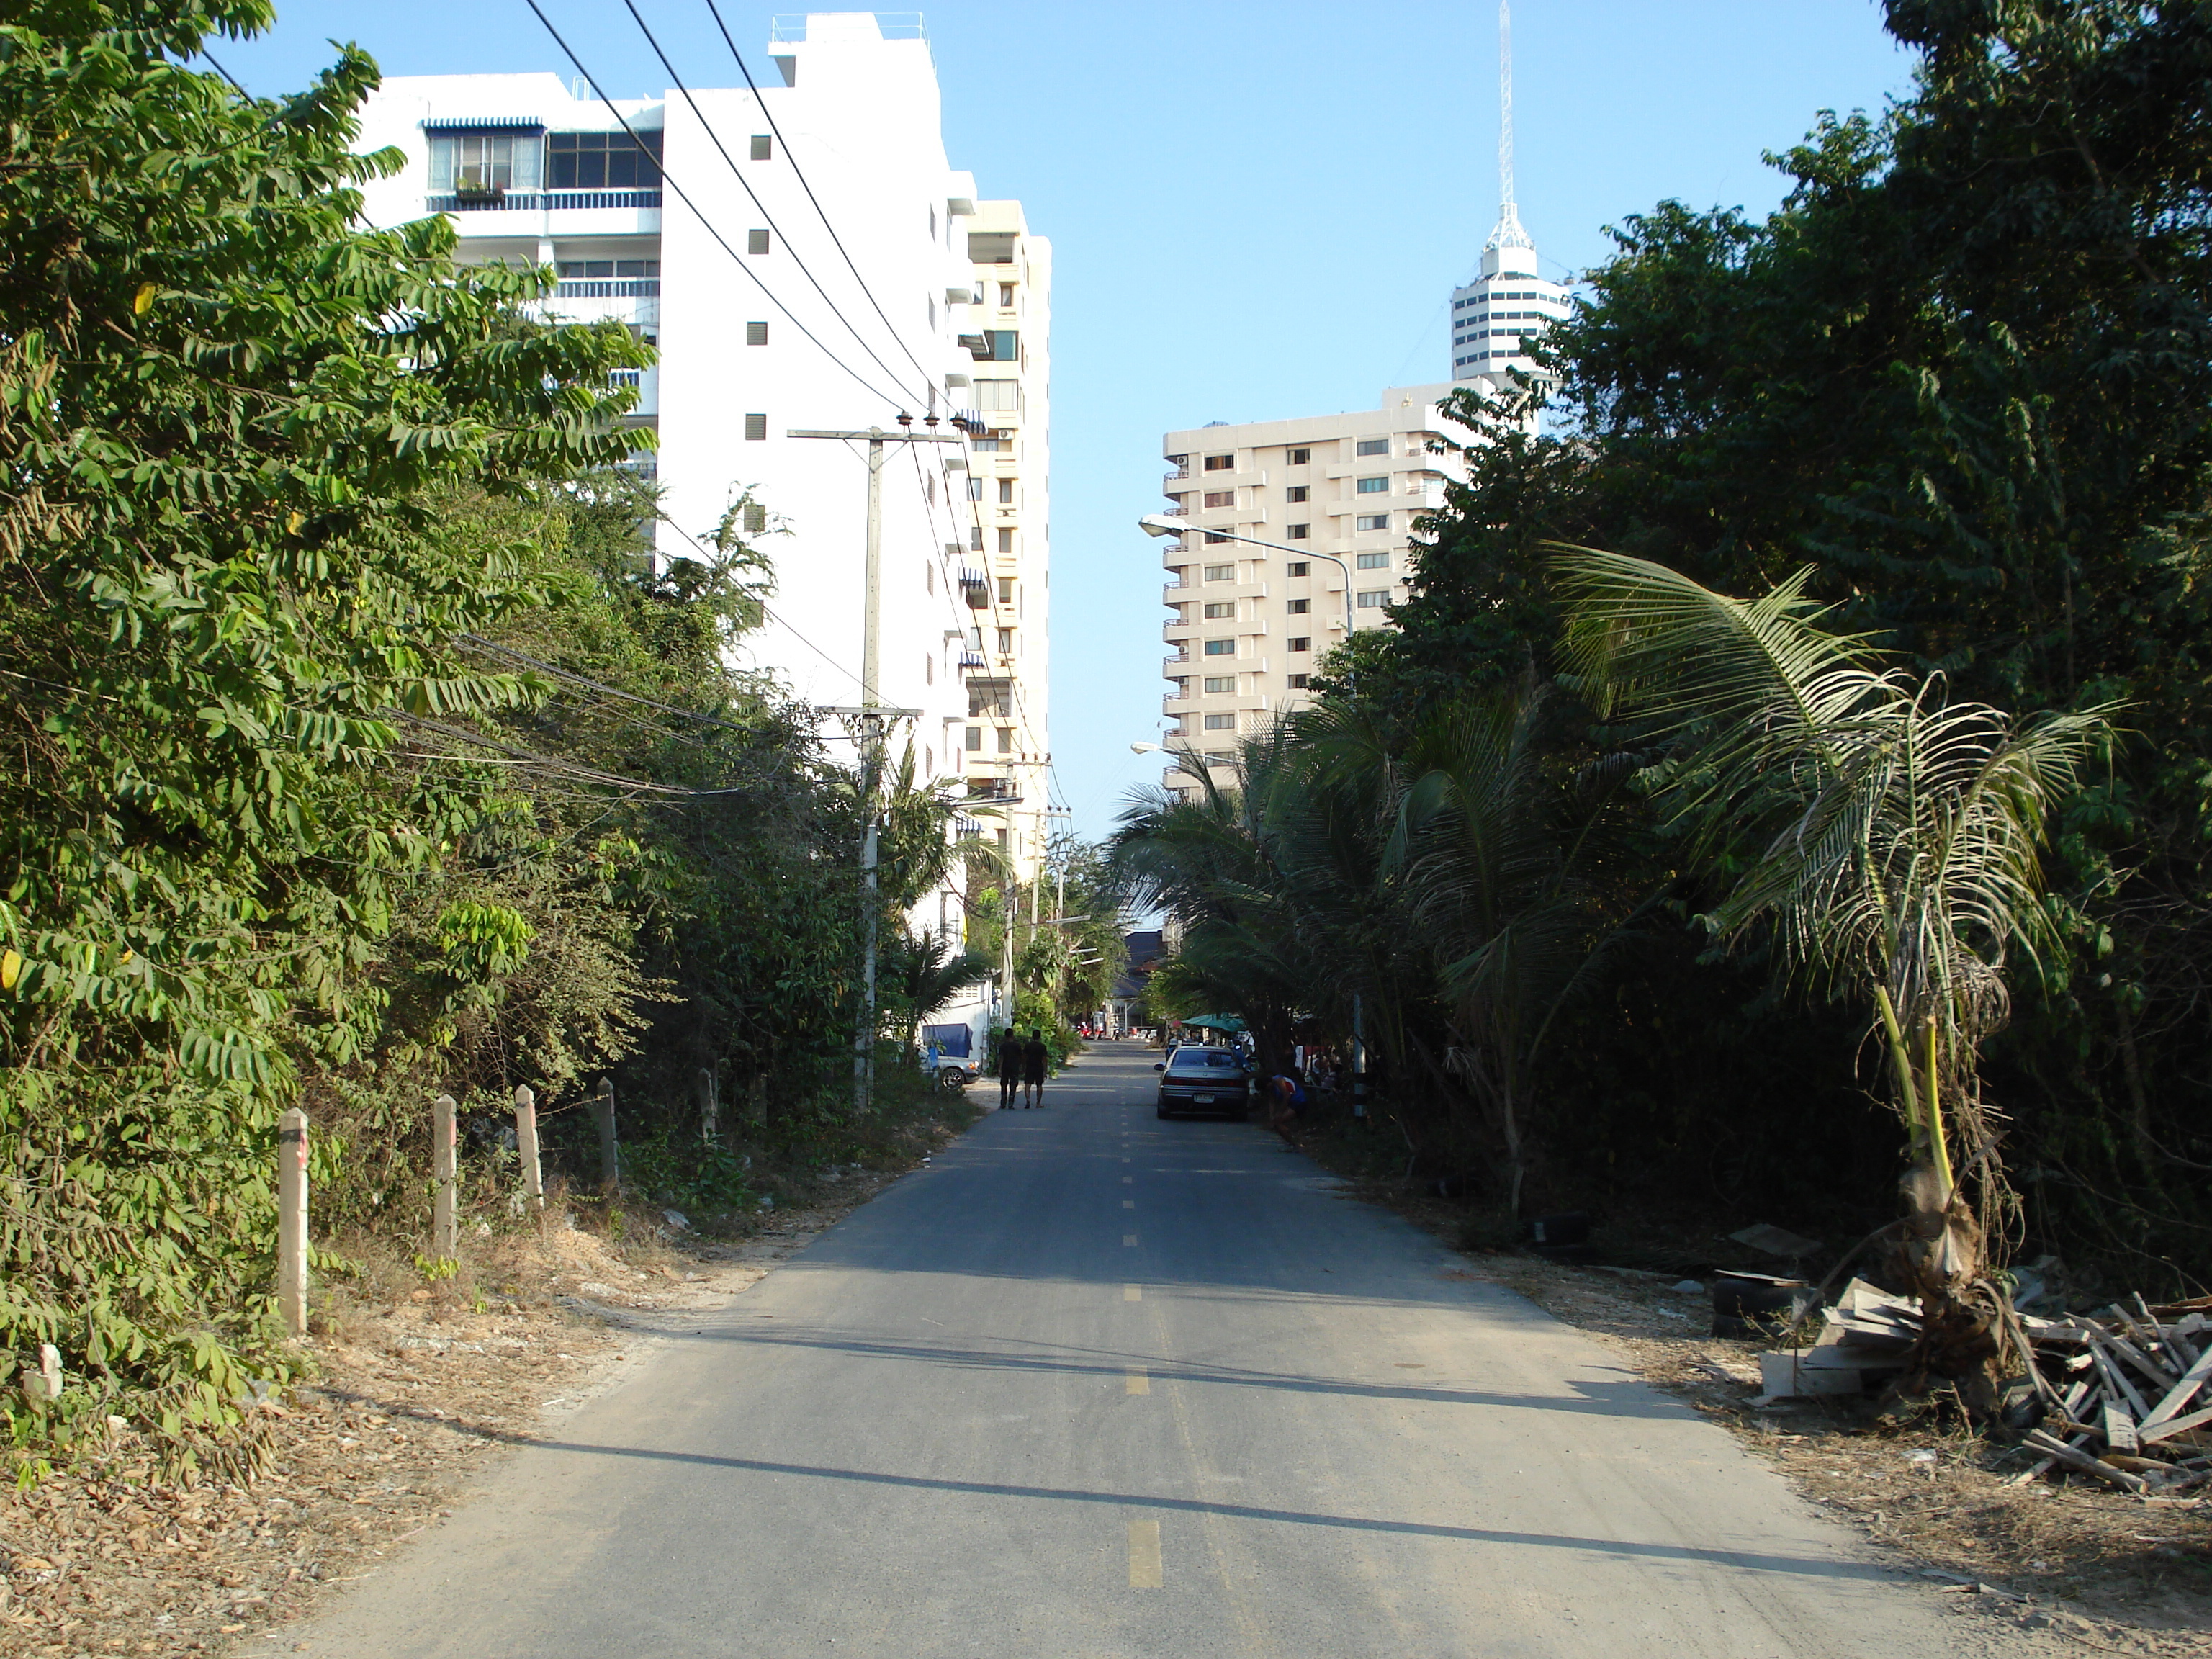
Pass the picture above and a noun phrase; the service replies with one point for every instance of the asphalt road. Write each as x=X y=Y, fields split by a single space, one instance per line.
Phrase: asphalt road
x=1095 y=1384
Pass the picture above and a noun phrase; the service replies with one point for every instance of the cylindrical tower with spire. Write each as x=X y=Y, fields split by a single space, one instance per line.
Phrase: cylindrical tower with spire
x=1495 y=316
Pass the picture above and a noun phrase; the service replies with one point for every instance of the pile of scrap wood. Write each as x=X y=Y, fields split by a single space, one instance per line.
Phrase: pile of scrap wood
x=2127 y=1393
x=2131 y=1392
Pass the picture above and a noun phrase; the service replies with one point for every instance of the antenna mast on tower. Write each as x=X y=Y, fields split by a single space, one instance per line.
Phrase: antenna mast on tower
x=1509 y=233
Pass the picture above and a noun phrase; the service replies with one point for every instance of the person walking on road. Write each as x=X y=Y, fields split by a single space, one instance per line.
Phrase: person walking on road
x=1037 y=1059
x=1013 y=1054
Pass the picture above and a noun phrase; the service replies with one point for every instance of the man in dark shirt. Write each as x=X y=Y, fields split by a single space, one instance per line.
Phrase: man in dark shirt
x=1037 y=1059
x=1013 y=1054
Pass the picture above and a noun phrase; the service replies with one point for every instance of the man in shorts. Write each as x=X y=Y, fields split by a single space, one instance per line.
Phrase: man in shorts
x=1012 y=1051
x=1037 y=1059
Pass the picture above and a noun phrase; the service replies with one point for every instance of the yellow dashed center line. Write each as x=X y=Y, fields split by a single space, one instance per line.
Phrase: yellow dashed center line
x=1144 y=1555
x=1138 y=1381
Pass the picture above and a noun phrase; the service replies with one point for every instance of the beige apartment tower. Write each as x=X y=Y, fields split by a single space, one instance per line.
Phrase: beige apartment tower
x=1008 y=394
x=1334 y=497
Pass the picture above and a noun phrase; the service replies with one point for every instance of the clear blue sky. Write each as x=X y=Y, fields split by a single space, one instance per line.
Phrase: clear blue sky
x=1257 y=210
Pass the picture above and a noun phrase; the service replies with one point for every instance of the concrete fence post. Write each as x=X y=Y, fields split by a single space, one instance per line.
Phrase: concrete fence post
x=603 y=1110
x=525 y=1147
x=710 y=1107
x=446 y=1238
x=292 y=1221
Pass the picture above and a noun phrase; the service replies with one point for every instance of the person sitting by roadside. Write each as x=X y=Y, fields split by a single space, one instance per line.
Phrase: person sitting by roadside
x=1286 y=1095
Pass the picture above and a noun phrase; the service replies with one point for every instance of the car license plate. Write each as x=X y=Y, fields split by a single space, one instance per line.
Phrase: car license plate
x=1201 y=1100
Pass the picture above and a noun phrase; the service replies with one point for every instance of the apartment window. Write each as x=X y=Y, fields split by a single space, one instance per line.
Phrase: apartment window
x=1219 y=684
x=1001 y=345
x=1297 y=607
x=602 y=160
x=1005 y=590
x=990 y=697
x=1221 y=498
x=1225 y=608
x=1006 y=294
x=1219 y=758
x=1373 y=521
x=1221 y=573
x=1220 y=463
x=1005 y=492
x=480 y=163
x=975 y=740
x=1297 y=568
x=1374 y=446
x=755 y=241
x=975 y=492
x=1374 y=486
x=756 y=333
x=756 y=518
x=1221 y=648
x=975 y=536
x=1297 y=532
x=1211 y=538
x=1299 y=457
x=1002 y=396
x=1374 y=598
x=1298 y=644
x=1374 y=560
x=599 y=270
x=1221 y=722
x=756 y=428
x=763 y=146
x=1298 y=492
x=1297 y=682
x=1006 y=541
x=1005 y=641
x=1005 y=739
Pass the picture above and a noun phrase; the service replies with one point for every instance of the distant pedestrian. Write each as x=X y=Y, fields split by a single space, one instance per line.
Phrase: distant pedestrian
x=1037 y=1059
x=1013 y=1052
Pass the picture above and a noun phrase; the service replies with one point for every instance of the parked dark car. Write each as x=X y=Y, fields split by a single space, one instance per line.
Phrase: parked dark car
x=1194 y=1078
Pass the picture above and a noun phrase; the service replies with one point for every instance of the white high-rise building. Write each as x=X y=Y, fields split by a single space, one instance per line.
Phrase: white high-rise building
x=1494 y=316
x=806 y=259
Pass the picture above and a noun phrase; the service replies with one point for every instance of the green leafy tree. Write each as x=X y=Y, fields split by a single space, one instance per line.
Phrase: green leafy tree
x=223 y=405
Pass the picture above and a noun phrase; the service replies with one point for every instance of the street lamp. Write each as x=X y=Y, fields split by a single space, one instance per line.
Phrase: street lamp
x=1160 y=524
x=1144 y=748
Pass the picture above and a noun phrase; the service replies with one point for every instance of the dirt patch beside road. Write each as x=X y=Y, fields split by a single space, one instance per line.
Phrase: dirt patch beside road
x=414 y=1385
x=2110 y=1571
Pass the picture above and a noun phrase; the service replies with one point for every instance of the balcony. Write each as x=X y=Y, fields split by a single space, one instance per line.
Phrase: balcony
x=1170 y=629
x=535 y=201
x=975 y=588
x=1175 y=658
x=974 y=659
x=628 y=287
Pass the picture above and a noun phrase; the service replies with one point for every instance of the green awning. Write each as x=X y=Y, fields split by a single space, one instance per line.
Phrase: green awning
x=1216 y=1022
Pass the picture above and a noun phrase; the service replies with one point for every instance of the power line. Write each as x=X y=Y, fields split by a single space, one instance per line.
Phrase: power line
x=790 y=156
x=790 y=246
x=667 y=178
x=768 y=611
x=226 y=75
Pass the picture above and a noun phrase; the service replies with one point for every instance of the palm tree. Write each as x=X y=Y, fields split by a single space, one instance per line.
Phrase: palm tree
x=1496 y=851
x=927 y=973
x=1887 y=838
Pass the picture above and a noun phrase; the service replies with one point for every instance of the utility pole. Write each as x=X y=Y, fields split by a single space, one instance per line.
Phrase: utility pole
x=867 y=724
